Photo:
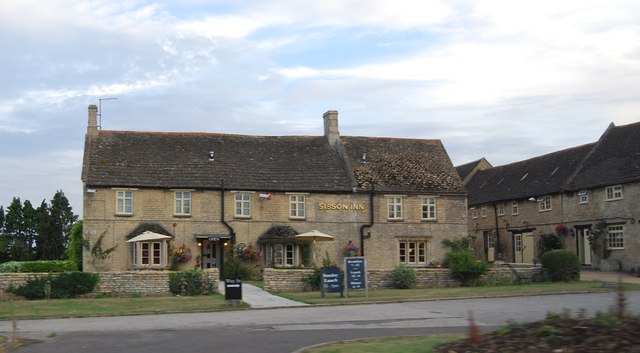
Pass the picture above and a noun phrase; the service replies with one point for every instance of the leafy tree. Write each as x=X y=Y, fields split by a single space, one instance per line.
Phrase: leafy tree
x=15 y=232
x=76 y=242
x=55 y=223
x=1 y=220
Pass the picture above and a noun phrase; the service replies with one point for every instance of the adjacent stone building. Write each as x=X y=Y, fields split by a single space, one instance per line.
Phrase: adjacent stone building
x=577 y=194
x=151 y=195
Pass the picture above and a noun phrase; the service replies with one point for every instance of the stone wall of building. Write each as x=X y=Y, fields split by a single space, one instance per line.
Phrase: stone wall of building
x=151 y=283
x=290 y=280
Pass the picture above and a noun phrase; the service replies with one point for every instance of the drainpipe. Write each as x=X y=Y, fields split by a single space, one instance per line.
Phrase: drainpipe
x=232 y=233
x=370 y=224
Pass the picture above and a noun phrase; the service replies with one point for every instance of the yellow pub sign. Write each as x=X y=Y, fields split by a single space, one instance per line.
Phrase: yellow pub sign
x=341 y=206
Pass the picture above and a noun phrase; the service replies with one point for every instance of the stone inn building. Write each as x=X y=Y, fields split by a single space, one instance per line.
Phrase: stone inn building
x=574 y=194
x=148 y=195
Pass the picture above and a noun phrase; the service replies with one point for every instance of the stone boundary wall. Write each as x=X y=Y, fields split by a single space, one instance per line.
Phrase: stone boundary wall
x=148 y=283
x=283 y=280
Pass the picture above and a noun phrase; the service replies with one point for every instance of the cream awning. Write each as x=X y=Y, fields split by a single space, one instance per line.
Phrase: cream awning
x=148 y=235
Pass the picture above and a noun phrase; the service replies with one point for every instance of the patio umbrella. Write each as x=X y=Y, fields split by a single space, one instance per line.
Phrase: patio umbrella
x=315 y=236
x=148 y=235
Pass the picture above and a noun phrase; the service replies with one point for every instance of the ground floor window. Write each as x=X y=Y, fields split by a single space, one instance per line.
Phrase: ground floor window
x=148 y=254
x=615 y=238
x=282 y=255
x=412 y=252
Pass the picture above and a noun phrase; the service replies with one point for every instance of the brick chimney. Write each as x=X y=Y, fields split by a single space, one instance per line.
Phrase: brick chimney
x=331 y=127
x=92 y=127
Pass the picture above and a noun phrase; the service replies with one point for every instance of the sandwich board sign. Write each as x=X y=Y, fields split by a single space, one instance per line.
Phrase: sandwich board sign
x=356 y=274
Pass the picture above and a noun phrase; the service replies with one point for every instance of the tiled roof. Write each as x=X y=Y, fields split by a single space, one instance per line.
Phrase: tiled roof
x=464 y=169
x=269 y=163
x=615 y=160
x=539 y=176
x=402 y=165
x=180 y=160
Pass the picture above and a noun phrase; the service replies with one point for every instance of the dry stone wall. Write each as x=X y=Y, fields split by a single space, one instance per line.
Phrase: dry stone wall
x=148 y=283
x=283 y=280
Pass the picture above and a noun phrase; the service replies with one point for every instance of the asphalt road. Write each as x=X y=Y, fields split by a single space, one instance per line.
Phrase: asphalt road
x=288 y=329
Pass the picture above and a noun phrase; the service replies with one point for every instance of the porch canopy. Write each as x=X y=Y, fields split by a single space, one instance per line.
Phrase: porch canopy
x=148 y=235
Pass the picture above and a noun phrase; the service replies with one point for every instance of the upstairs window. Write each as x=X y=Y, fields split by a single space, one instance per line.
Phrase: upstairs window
x=429 y=208
x=182 y=203
x=394 y=207
x=544 y=204
x=124 y=202
x=614 y=192
x=584 y=196
x=474 y=213
x=483 y=211
x=514 y=208
x=297 y=206
x=501 y=209
x=243 y=205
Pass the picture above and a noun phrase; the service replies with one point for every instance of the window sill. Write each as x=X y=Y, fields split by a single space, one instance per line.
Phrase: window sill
x=182 y=216
x=123 y=215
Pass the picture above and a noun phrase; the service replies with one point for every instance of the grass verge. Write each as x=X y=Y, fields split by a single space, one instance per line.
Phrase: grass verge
x=86 y=307
x=454 y=292
x=410 y=344
x=107 y=306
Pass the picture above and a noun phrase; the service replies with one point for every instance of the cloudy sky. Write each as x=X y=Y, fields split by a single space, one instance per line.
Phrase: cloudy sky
x=501 y=79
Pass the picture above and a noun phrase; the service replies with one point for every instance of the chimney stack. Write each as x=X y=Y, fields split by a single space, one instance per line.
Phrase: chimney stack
x=331 y=127
x=92 y=128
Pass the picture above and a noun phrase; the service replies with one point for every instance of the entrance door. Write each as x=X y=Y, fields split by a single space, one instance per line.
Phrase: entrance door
x=490 y=244
x=584 y=247
x=523 y=247
x=211 y=254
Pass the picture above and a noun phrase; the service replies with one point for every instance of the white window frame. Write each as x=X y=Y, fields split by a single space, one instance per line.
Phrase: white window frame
x=501 y=209
x=394 y=208
x=483 y=211
x=148 y=254
x=413 y=252
x=182 y=203
x=544 y=204
x=297 y=203
x=242 y=207
x=515 y=208
x=615 y=237
x=613 y=192
x=474 y=212
x=584 y=197
x=124 y=202
x=429 y=208
x=281 y=255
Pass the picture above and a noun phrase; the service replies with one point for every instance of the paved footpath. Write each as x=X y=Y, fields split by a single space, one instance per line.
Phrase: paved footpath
x=609 y=276
x=258 y=298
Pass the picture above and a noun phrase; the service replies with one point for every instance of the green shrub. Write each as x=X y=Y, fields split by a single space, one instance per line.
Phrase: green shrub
x=235 y=268
x=63 y=285
x=41 y=266
x=190 y=283
x=11 y=267
x=312 y=281
x=549 y=242
x=464 y=266
x=561 y=265
x=404 y=277
x=48 y=266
